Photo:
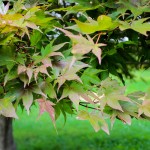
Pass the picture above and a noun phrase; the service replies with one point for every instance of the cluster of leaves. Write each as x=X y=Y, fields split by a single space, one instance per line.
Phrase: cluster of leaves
x=60 y=55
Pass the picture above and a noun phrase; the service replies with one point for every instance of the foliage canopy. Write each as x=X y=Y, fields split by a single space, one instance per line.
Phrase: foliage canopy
x=62 y=55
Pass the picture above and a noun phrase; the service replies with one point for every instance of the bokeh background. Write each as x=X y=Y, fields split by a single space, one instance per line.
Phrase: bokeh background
x=39 y=134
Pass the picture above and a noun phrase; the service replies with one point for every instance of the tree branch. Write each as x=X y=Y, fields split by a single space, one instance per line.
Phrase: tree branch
x=85 y=104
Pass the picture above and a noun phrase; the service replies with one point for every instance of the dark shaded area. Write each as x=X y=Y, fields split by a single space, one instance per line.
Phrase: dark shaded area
x=6 y=137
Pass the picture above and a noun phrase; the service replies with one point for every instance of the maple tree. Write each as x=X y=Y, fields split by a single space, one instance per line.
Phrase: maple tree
x=62 y=55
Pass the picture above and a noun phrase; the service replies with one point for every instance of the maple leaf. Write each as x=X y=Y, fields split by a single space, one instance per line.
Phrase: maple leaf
x=24 y=78
x=75 y=92
x=138 y=25
x=90 y=76
x=46 y=106
x=111 y=93
x=6 y=108
x=136 y=7
x=3 y=8
x=82 y=45
x=27 y=99
x=123 y=116
x=37 y=90
x=12 y=74
x=73 y=96
x=68 y=73
x=48 y=89
x=145 y=107
x=27 y=70
x=95 y=118
x=41 y=69
x=50 y=51
x=103 y=23
x=21 y=69
x=32 y=26
x=47 y=62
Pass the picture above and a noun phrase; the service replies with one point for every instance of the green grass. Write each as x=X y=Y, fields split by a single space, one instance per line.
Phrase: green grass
x=33 y=134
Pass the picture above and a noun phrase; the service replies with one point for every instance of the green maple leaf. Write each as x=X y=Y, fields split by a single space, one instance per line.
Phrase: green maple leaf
x=135 y=7
x=46 y=53
x=103 y=23
x=137 y=25
x=27 y=99
x=48 y=89
x=76 y=9
x=90 y=76
x=12 y=74
x=35 y=37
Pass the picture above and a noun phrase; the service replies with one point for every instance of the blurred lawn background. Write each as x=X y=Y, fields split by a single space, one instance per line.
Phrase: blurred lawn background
x=33 y=134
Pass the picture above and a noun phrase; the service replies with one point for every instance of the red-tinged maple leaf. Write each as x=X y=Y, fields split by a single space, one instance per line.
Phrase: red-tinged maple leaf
x=97 y=51
x=82 y=45
x=145 y=108
x=29 y=72
x=67 y=77
x=70 y=73
x=27 y=99
x=4 y=8
x=47 y=62
x=46 y=106
x=42 y=69
x=123 y=116
x=56 y=54
x=21 y=69
x=7 y=109
x=32 y=26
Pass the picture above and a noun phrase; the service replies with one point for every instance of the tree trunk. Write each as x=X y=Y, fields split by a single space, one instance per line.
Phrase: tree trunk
x=6 y=134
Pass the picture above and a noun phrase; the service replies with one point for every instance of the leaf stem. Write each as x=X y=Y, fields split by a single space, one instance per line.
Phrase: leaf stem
x=99 y=35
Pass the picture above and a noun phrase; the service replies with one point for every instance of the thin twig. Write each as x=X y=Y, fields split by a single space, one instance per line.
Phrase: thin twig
x=85 y=104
